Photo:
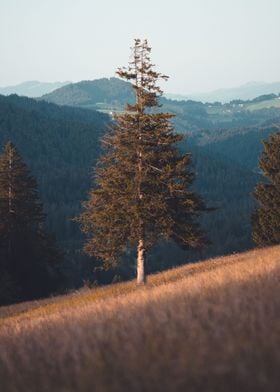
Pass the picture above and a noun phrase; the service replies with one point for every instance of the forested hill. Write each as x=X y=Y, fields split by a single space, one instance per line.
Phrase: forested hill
x=96 y=94
x=112 y=94
x=61 y=145
x=55 y=112
x=233 y=130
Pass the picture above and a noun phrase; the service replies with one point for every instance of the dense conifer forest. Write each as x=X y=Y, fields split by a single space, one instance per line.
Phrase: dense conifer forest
x=61 y=145
x=30 y=261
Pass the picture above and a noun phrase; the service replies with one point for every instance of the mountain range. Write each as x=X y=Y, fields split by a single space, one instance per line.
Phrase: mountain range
x=245 y=92
x=83 y=92
x=32 y=89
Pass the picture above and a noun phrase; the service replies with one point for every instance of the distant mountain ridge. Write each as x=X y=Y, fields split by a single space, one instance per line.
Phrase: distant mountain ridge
x=245 y=92
x=107 y=91
x=112 y=94
x=32 y=89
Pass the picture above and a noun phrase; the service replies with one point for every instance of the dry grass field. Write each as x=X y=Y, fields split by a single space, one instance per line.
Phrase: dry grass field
x=211 y=326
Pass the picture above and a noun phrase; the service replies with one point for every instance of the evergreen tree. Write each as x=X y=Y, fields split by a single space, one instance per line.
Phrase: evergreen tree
x=266 y=218
x=28 y=256
x=142 y=190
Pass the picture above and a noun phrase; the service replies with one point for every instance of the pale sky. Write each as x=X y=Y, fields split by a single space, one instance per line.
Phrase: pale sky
x=201 y=44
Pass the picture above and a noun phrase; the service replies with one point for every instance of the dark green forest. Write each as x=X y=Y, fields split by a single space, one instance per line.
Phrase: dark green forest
x=30 y=261
x=61 y=145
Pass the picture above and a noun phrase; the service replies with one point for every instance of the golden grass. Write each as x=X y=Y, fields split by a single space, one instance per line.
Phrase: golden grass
x=210 y=326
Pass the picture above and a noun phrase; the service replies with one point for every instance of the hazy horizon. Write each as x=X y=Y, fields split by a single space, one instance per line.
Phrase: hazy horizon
x=250 y=82
x=202 y=45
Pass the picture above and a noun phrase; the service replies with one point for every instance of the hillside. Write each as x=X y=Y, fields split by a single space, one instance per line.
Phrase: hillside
x=192 y=328
x=111 y=95
x=32 y=89
x=61 y=145
x=93 y=94
x=112 y=92
x=240 y=146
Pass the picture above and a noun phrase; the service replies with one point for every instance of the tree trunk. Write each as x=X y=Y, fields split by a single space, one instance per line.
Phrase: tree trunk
x=10 y=202
x=141 y=277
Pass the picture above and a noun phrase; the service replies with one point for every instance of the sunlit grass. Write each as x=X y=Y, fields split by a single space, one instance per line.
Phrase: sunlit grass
x=211 y=326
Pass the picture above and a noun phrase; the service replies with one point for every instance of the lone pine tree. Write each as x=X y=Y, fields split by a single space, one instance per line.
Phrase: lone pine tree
x=142 y=190
x=266 y=218
x=28 y=256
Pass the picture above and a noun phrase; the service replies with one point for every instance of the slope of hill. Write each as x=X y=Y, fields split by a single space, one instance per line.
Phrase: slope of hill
x=32 y=89
x=112 y=94
x=240 y=146
x=264 y=104
x=96 y=94
x=210 y=326
x=61 y=144
x=247 y=91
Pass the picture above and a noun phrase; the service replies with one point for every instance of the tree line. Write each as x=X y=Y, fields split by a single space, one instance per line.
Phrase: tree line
x=142 y=195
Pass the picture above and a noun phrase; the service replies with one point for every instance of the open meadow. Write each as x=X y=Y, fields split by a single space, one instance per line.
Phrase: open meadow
x=210 y=326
